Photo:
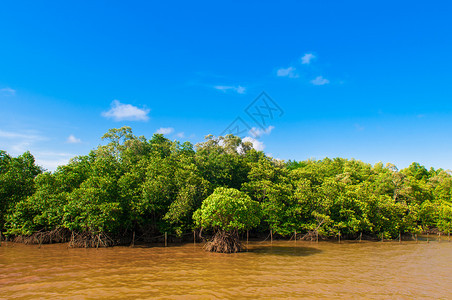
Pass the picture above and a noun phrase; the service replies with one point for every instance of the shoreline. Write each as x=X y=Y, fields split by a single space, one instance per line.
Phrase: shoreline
x=421 y=238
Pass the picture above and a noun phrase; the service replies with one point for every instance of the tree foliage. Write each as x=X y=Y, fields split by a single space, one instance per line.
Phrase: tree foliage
x=149 y=186
x=16 y=181
x=228 y=209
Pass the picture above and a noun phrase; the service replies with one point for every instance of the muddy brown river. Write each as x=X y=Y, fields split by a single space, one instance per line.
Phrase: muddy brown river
x=279 y=270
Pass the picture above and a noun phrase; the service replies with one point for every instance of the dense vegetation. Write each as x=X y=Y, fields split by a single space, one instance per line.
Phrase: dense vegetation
x=134 y=185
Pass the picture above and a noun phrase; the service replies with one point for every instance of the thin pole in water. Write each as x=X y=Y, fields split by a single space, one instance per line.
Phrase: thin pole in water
x=448 y=236
x=271 y=236
x=194 y=236
x=316 y=236
x=428 y=241
x=247 y=236
x=439 y=237
x=133 y=240
x=339 y=237
x=415 y=236
x=166 y=239
x=400 y=237
x=295 y=236
x=360 y=237
x=382 y=240
x=72 y=239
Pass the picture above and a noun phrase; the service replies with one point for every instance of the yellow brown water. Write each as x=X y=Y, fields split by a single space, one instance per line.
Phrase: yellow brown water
x=282 y=270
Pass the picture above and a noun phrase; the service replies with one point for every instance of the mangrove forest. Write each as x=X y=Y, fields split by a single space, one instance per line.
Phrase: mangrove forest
x=132 y=188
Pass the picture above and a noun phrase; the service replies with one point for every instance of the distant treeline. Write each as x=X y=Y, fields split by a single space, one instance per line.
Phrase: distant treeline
x=133 y=185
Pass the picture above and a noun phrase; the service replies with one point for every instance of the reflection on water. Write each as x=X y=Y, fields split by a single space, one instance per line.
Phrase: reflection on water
x=284 y=269
x=289 y=250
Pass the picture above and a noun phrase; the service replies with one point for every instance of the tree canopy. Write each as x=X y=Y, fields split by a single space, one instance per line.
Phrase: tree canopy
x=149 y=186
x=228 y=209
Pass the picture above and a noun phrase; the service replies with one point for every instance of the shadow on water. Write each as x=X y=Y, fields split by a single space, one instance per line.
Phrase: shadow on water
x=285 y=251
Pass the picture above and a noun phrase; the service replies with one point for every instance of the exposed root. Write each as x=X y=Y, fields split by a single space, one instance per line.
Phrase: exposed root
x=58 y=235
x=224 y=242
x=90 y=240
x=62 y=235
x=311 y=235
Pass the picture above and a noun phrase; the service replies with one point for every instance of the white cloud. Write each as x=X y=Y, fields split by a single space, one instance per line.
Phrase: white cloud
x=51 y=164
x=258 y=145
x=240 y=90
x=128 y=112
x=319 y=80
x=16 y=135
x=258 y=132
x=51 y=160
x=17 y=143
x=255 y=134
x=20 y=147
x=180 y=135
x=54 y=154
x=288 y=72
x=73 y=140
x=224 y=88
x=8 y=91
x=164 y=130
x=306 y=59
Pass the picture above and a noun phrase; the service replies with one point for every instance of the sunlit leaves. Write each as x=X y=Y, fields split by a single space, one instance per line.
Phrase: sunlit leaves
x=228 y=209
x=156 y=185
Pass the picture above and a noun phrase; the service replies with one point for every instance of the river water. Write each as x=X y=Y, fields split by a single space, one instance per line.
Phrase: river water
x=279 y=270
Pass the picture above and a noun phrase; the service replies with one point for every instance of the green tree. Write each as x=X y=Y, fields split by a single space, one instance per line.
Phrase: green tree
x=227 y=211
x=223 y=161
x=269 y=184
x=17 y=176
x=445 y=218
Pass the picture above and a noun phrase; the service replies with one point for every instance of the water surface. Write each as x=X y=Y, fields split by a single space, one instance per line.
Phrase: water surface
x=279 y=270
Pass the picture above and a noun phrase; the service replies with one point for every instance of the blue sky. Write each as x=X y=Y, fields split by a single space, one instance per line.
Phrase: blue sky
x=354 y=79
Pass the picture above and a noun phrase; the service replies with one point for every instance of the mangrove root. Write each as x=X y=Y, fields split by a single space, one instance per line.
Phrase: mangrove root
x=58 y=235
x=311 y=235
x=224 y=242
x=90 y=240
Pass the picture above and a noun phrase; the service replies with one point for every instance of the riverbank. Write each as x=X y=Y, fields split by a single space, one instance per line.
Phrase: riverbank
x=167 y=240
